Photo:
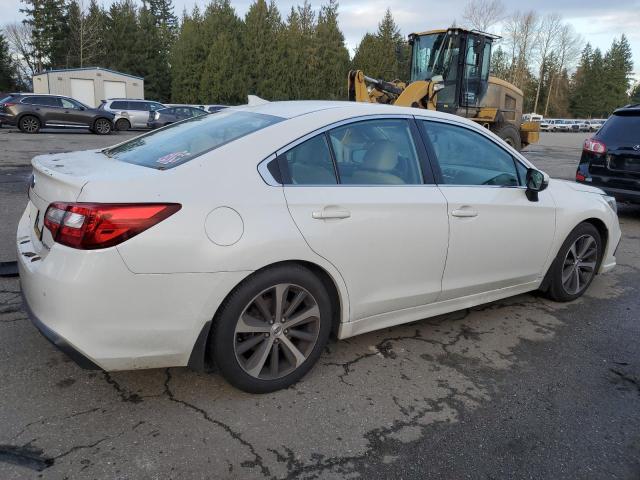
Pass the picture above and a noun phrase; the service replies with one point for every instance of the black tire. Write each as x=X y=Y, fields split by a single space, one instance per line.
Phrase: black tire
x=225 y=340
x=123 y=124
x=511 y=135
x=102 y=126
x=557 y=290
x=29 y=124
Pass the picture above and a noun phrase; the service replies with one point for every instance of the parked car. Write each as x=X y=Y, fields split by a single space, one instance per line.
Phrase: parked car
x=30 y=112
x=167 y=116
x=595 y=124
x=611 y=158
x=559 y=125
x=246 y=237
x=546 y=125
x=130 y=113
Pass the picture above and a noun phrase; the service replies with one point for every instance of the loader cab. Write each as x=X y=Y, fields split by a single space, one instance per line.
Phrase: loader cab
x=463 y=59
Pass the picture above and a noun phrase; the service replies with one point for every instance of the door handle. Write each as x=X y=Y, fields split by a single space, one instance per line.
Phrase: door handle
x=329 y=214
x=464 y=212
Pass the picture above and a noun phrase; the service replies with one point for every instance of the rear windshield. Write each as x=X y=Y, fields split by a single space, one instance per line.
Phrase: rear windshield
x=184 y=141
x=621 y=129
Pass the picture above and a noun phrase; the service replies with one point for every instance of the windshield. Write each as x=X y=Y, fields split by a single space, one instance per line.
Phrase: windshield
x=184 y=141
x=432 y=55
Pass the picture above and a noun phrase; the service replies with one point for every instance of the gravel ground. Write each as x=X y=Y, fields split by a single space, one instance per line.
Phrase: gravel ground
x=521 y=388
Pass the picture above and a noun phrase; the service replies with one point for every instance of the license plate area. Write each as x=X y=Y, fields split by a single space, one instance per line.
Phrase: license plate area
x=617 y=163
x=37 y=229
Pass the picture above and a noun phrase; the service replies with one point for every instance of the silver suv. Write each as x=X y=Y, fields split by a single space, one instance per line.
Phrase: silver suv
x=129 y=112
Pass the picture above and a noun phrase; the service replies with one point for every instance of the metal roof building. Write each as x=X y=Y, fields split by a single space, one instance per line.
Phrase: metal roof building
x=89 y=85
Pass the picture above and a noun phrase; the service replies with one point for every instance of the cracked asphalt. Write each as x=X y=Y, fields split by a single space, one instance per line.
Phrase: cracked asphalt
x=521 y=388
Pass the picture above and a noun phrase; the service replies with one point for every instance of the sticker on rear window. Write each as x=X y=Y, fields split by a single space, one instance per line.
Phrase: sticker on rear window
x=172 y=157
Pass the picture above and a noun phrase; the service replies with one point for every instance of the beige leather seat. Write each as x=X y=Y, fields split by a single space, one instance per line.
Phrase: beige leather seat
x=377 y=165
x=309 y=165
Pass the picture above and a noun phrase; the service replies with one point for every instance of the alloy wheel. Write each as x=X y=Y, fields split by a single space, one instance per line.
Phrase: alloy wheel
x=102 y=126
x=579 y=264
x=277 y=331
x=29 y=124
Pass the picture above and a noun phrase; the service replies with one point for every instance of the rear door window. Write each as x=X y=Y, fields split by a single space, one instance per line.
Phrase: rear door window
x=376 y=152
x=310 y=163
x=120 y=105
x=621 y=129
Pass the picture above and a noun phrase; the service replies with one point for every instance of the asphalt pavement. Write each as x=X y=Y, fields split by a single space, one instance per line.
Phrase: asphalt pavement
x=521 y=388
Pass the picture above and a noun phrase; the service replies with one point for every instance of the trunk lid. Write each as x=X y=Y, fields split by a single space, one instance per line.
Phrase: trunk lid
x=62 y=177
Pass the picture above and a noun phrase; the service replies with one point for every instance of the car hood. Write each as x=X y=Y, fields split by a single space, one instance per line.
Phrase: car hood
x=581 y=187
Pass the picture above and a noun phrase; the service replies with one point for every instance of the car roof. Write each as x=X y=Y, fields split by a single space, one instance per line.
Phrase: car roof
x=131 y=100
x=632 y=107
x=294 y=108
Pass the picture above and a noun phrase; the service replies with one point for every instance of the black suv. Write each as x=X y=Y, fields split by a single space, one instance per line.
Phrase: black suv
x=30 y=112
x=611 y=158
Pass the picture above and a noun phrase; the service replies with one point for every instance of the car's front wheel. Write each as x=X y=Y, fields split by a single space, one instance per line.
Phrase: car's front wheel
x=271 y=329
x=102 y=126
x=576 y=264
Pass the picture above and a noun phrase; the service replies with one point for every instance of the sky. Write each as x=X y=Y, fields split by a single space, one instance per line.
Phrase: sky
x=599 y=22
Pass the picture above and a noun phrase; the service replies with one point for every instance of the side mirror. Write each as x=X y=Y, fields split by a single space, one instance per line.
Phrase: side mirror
x=536 y=182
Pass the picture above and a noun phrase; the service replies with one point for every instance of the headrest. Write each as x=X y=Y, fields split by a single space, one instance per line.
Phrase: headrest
x=381 y=156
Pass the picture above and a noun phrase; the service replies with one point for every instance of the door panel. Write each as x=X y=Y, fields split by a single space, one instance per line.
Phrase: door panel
x=358 y=198
x=497 y=238
x=388 y=242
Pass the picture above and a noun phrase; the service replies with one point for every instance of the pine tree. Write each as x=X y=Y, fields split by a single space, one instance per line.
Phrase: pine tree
x=619 y=68
x=187 y=60
x=48 y=20
x=8 y=73
x=153 y=59
x=223 y=79
x=384 y=55
x=121 y=38
x=86 y=29
x=260 y=41
x=332 y=55
x=634 y=98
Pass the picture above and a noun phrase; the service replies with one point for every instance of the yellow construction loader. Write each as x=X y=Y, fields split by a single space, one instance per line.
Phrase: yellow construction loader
x=450 y=73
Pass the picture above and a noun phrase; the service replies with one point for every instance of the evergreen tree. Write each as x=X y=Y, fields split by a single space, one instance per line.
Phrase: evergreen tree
x=48 y=20
x=384 y=55
x=187 y=60
x=86 y=30
x=121 y=38
x=331 y=54
x=153 y=58
x=8 y=73
x=262 y=29
x=223 y=79
x=618 y=65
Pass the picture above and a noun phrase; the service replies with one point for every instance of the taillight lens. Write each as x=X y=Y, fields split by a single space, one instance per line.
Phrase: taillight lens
x=580 y=177
x=594 y=146
x=89 y=226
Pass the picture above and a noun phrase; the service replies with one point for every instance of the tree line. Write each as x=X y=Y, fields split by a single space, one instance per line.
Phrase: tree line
x=215 y=56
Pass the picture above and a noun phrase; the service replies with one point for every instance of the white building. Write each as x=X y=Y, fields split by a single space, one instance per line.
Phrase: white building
x=89 y=85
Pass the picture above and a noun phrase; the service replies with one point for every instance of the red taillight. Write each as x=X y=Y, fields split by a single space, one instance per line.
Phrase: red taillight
x=88 y=226
x=595 y=146
x=580 y=177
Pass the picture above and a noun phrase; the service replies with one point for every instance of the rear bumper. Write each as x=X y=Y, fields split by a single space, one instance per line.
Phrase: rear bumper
x=58 y=341
x=91 y=306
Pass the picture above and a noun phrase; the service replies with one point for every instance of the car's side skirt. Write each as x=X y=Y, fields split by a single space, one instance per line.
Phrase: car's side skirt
x=407 y=315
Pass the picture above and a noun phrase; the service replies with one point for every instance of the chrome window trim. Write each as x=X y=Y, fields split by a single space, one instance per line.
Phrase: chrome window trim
x=269 y=180
x=517 y=156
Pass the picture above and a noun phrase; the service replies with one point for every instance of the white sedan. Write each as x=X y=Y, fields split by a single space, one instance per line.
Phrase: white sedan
x=246 y=238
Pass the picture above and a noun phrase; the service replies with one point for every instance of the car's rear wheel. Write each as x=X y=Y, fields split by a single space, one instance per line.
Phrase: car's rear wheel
x=271 y=329
x=29 y=124
x=102 y=126
x=576 y=264
x=123 y=124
